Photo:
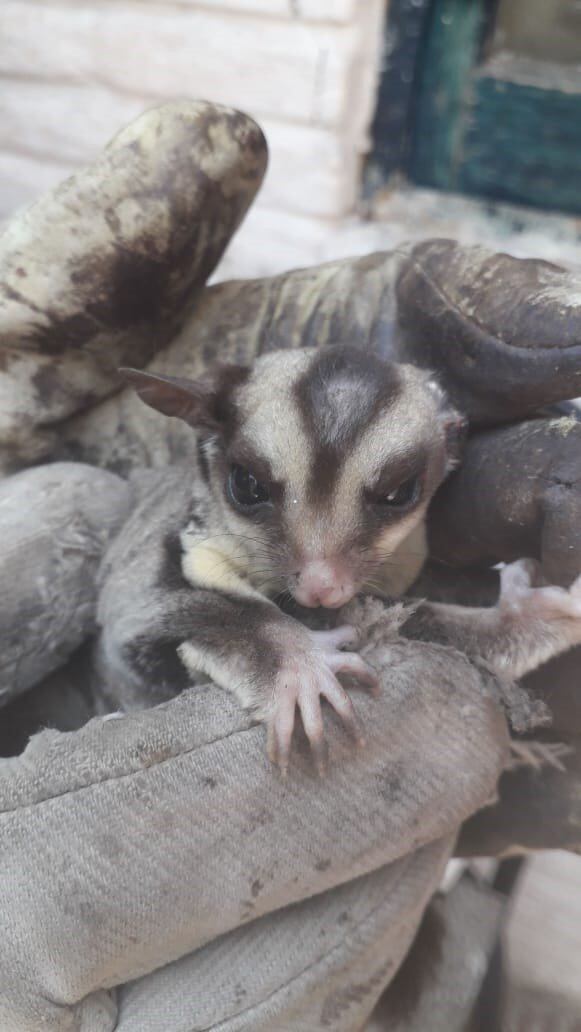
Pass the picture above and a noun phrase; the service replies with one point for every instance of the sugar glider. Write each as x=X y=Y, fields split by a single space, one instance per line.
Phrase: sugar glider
x=313 y=474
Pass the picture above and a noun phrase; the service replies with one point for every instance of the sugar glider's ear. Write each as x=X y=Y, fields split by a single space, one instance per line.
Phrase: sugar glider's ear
x=201 y=403
x=455 y=425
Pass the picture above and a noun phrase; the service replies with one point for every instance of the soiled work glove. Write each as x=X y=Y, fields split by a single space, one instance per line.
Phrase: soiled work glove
x=161 y=831
x=102 y=270
x=135 y=841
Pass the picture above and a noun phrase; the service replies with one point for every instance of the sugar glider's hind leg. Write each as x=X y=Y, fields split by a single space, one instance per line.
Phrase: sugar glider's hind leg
x=531 y=622
x=541 y=620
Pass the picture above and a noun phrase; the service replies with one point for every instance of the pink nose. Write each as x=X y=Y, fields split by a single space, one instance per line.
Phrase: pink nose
x=322 y=583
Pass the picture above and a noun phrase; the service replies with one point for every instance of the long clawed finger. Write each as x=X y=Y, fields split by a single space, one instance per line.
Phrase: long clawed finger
x=353 y=665
x=280 y=734
x=312 y=718
x=341 y=703
x=308 y=698
x=336 y=639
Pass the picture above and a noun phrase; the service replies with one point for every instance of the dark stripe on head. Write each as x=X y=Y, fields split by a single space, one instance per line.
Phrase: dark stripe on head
x=227 y=379
x=339 y=396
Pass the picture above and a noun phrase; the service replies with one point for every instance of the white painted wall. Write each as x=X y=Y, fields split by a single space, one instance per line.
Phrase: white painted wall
x=72 y=72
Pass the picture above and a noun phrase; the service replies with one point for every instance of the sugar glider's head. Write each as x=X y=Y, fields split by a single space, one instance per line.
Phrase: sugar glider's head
x=325 y=459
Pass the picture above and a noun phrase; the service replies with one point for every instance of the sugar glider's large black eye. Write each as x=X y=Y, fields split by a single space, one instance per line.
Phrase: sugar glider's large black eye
x=244 y=490
x=401 y=497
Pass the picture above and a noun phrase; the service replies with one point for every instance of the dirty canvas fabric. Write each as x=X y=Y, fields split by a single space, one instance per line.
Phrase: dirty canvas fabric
x=163 y=831
x=101 y=271
x=316 y=965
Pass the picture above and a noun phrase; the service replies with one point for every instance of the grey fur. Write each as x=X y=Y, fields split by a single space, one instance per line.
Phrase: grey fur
x=192 y=577
x=189 y=587
x=531 y=623
x=57 y=521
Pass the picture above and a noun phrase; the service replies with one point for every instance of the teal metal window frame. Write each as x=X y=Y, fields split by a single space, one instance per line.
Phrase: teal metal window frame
x=469 y=129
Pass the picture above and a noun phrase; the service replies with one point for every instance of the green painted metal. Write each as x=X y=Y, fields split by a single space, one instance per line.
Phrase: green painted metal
x=481 y=134
x=522 y=144
x=447 y=62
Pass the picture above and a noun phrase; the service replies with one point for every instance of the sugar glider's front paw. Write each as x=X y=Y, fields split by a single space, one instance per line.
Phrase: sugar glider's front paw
x=307 y=675
x=524 y=593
